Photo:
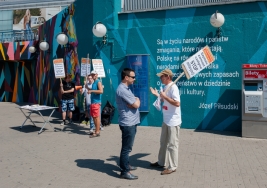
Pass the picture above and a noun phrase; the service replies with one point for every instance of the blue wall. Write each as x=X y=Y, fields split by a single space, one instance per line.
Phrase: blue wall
x=243 y=40
x=209 y=101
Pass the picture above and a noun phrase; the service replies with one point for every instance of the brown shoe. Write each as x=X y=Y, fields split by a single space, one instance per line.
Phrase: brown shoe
x=94 y=135
x=167 y=171
x=156 y=164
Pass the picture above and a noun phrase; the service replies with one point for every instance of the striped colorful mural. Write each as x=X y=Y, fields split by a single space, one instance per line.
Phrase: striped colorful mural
x=16 y=81
x=15 y=50
x=33 y=80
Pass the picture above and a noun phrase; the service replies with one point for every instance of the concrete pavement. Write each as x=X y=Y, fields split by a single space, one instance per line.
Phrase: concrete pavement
x=71 y=159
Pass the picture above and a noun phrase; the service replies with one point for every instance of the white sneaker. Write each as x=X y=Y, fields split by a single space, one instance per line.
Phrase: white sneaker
x=62 y=123
x=102 y=128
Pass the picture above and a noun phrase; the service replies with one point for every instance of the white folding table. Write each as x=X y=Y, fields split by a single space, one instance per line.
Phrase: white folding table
x=38 y=109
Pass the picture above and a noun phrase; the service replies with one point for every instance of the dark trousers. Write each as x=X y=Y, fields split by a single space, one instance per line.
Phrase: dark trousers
x=127 y=139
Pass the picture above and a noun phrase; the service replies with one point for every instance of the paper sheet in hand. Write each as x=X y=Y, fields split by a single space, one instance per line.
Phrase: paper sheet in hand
x=197 y=62
x=59 y=68
x=85 y=63
x=157 y=103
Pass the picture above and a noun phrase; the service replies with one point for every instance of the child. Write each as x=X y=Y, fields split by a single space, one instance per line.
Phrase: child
x=87 y=103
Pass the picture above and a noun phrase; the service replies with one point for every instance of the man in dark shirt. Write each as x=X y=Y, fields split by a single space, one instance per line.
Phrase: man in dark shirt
x=67 y=102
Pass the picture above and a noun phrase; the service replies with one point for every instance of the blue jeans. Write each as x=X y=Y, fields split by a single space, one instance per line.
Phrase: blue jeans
x=92 y=124
x=28 y=32
x=128 y=134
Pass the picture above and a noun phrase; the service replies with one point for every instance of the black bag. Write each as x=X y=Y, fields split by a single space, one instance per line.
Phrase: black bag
x=76 y=114
x=107 y=114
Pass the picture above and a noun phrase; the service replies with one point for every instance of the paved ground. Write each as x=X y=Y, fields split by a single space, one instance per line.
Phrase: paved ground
x=71 y=159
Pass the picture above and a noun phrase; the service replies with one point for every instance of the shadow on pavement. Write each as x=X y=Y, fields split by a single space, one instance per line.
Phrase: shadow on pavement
x=75 y=128
x=110 y=169
x=135 y=161
x=28 y=128
x=99 y=165
x=224 y=133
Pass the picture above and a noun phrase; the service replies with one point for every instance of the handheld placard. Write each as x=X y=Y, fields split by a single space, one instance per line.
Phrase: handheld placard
x=98 y=67
x=59 y=68
x=85 y=66
x=195 y=64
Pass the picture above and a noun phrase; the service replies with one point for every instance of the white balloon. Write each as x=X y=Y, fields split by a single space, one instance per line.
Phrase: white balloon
x=62 y=39
x=217 y=22
x=99 y=30
x=32 y=49
x=44 y=46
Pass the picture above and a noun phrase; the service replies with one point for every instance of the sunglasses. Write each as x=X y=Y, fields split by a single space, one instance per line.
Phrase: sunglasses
x=133 y=77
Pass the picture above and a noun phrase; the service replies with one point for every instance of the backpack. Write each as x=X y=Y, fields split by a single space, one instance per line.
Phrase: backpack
x=76 y=114
x=107 y=114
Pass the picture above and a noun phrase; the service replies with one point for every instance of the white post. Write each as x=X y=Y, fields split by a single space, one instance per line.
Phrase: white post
x=86 y=67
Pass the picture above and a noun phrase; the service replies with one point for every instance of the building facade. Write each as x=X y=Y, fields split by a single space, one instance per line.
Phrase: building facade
x=209 y=101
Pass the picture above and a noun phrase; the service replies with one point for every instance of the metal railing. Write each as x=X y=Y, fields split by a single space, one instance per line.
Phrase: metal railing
x=150 y=5
x=18 y=36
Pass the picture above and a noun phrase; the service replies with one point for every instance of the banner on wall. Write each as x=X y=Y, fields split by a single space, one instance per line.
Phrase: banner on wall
x=197 y=62
x=98 y=67
x=59 y=68
x=85 y=67
x=140 y=88
x=22 y=20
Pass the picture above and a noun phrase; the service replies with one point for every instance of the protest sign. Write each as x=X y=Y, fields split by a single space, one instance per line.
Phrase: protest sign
x=85 y=67
x=197 y=62
x=98 y=67
x=193 y=66
x=59 y=68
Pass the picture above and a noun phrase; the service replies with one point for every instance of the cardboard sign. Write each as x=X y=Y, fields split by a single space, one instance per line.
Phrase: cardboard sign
x=197 y=62
x=85 y=63
x=59 y=68
x=98 y=67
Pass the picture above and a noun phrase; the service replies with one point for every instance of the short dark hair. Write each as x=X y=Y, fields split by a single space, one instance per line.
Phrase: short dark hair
x=68 y=75
x=126 y=72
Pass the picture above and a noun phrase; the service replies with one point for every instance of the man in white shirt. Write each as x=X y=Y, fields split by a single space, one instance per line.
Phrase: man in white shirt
x=169 y=139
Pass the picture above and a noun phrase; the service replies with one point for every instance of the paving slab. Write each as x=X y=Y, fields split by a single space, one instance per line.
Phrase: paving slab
x=69 y=158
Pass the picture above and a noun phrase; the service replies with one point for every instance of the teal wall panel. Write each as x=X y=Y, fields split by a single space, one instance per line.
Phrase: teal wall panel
x=171 y=36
